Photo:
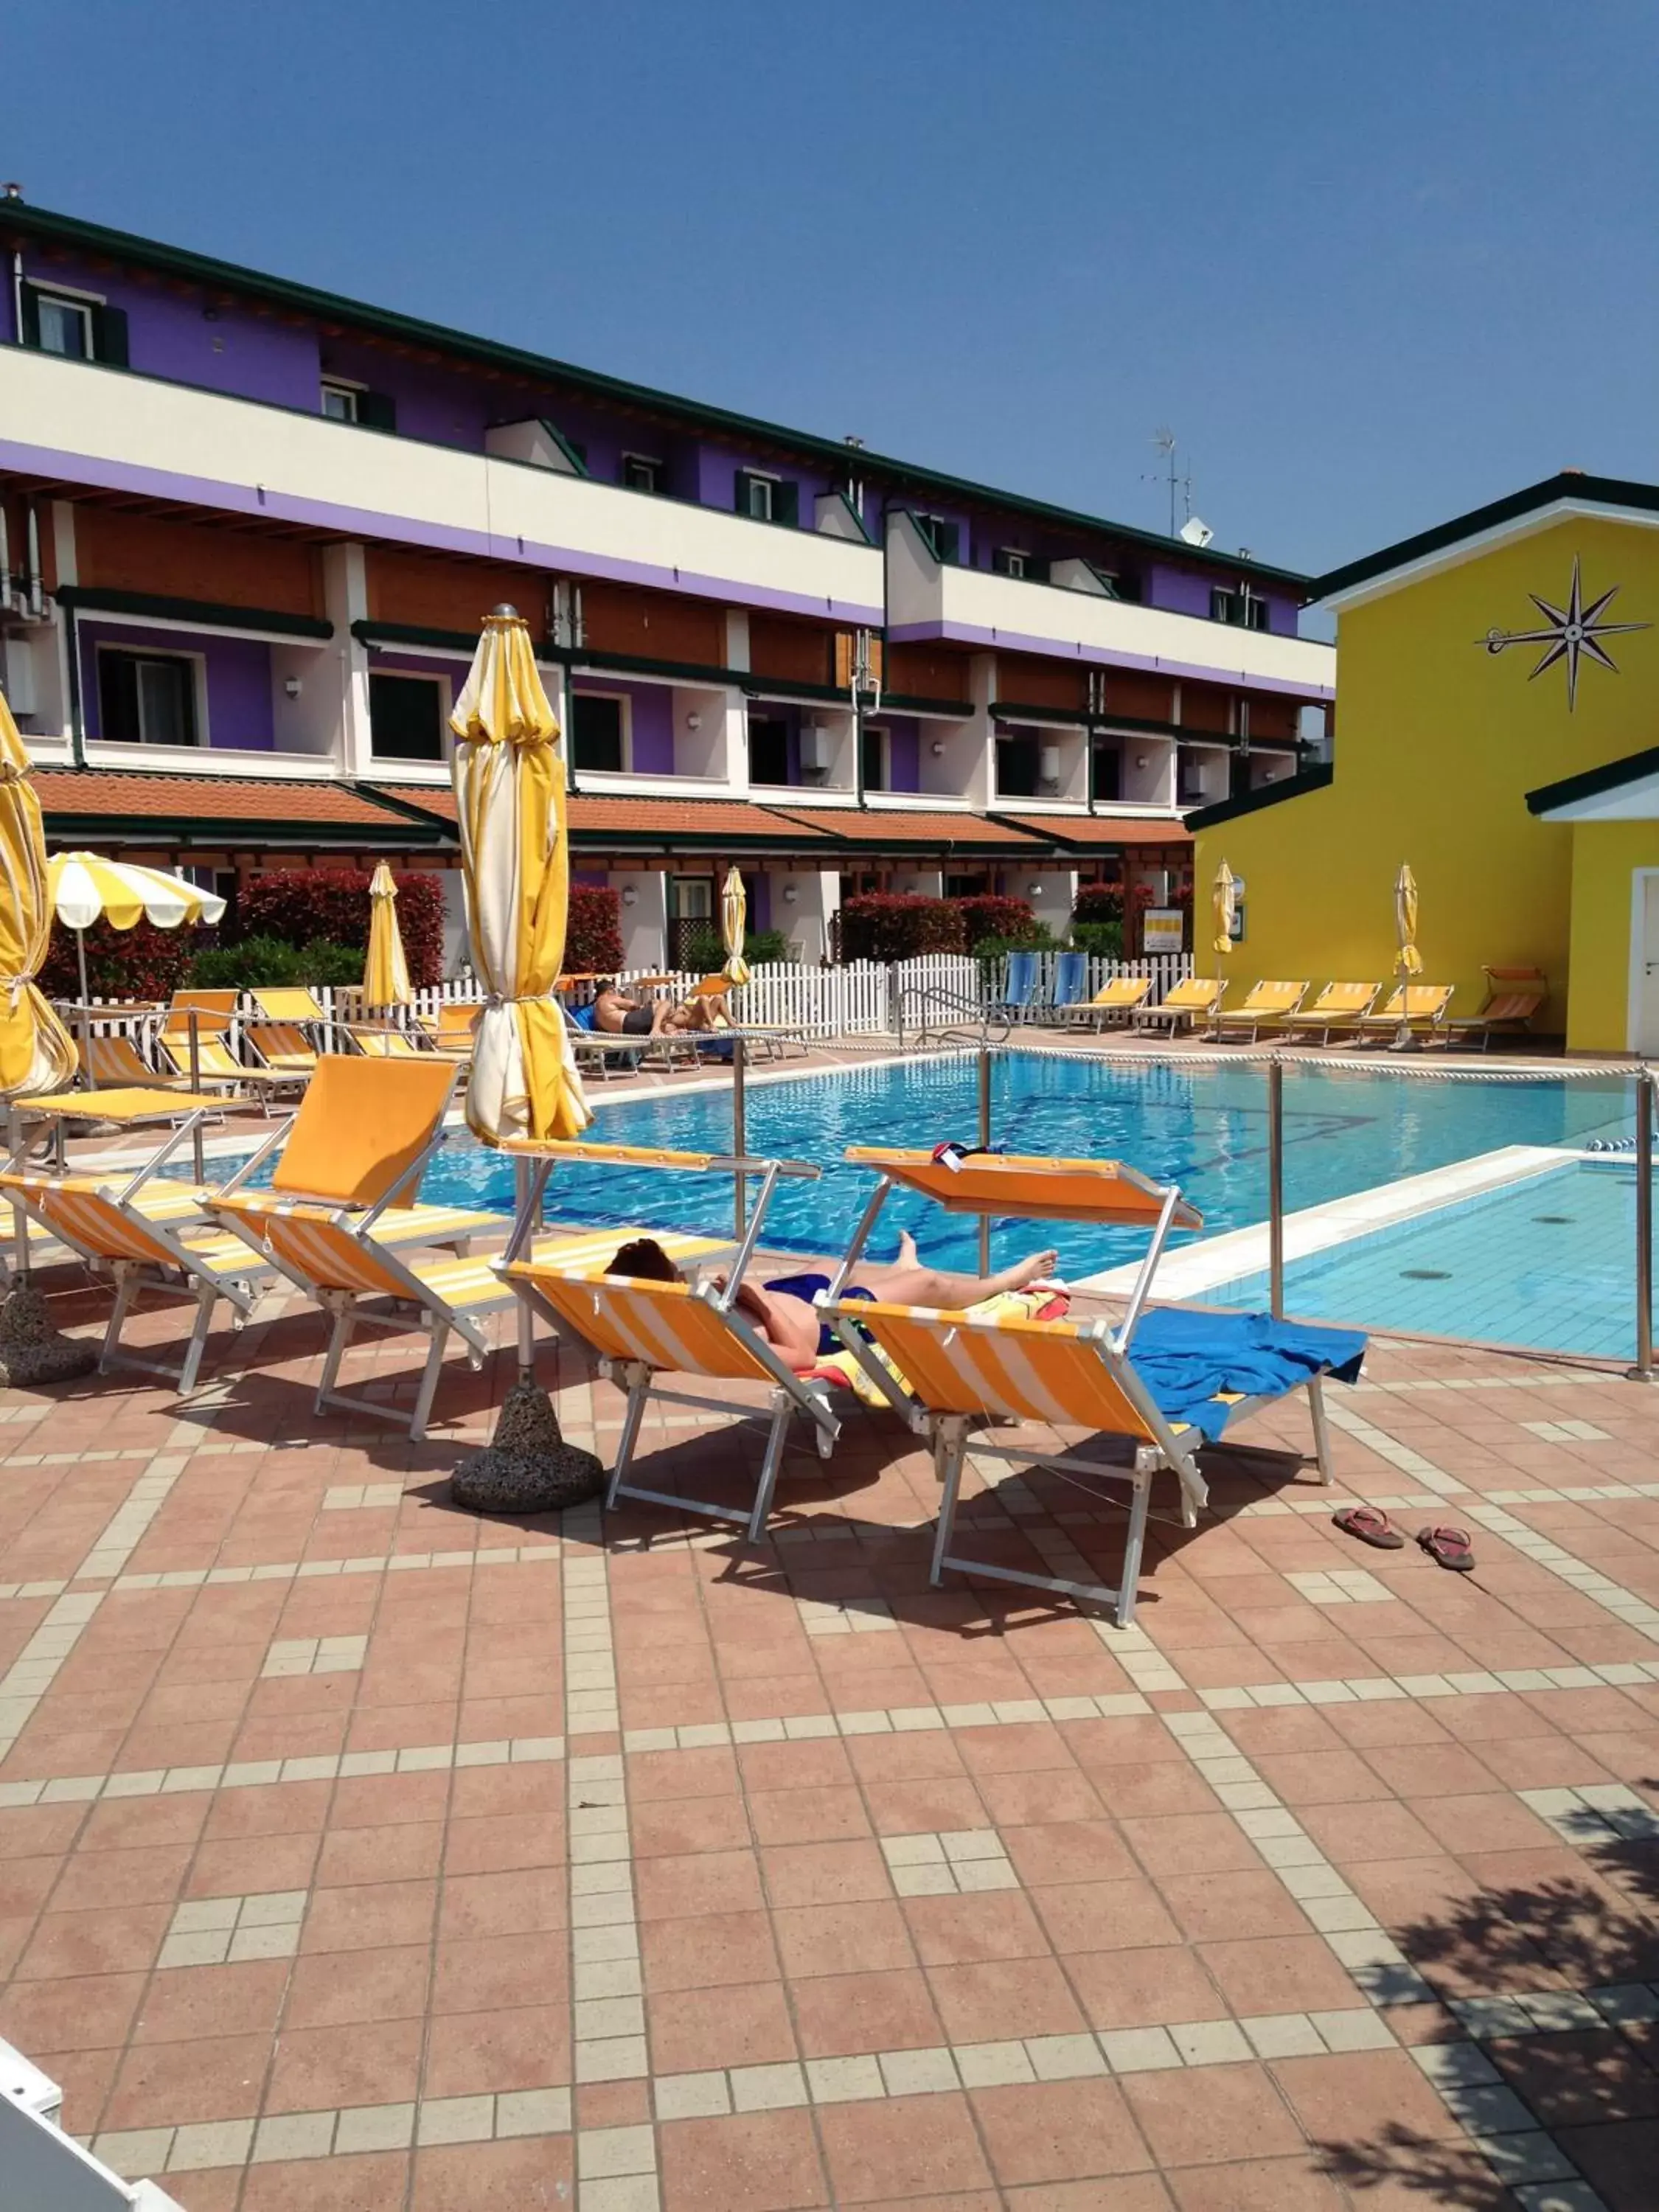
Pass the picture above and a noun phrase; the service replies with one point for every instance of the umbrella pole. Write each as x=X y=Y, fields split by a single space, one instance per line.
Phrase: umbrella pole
x=87 y=1080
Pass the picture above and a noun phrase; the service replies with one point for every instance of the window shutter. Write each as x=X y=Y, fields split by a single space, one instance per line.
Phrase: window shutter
x=740 y=491
x=786 y=503
x=377 y=410
x=30 y=333
x=109 y=335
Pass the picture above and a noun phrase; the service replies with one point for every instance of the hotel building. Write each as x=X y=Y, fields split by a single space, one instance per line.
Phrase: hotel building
x=247 y=532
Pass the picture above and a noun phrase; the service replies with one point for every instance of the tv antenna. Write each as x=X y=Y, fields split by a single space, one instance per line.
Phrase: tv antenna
x=1164 y=444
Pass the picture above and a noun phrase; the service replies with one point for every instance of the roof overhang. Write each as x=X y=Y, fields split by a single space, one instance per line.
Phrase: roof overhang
x=1568 y=497
x=1623 y=791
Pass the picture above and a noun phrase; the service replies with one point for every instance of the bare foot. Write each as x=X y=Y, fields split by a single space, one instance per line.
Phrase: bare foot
x=1034 y=1269
x=908 y=1254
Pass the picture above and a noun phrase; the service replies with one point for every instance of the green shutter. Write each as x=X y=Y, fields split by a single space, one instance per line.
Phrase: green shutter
x=30 y=333
x=786 y=503
x=109 y=335
x=740 y=483
x=377 y=410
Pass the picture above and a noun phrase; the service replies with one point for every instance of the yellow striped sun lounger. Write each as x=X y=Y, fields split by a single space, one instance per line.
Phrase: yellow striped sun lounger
x=1338 y=1007
x=1195 y=999
x=1263 y=1002
x=1114 y=1002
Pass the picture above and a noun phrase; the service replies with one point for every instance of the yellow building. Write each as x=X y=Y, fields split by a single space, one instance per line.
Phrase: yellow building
x=1497 y=682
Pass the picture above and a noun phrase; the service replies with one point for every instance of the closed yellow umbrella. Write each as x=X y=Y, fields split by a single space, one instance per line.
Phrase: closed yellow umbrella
x=1225 y=909
x=1410 y=960
x=510 y=797
x=385 y=972
x=734 y=917
x=37 y=1054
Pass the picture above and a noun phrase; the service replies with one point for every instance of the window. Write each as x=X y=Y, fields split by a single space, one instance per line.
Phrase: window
x=1018 y=768
x=962 y=887
x=768 y=749
x=873 y=759
x=1014 y=561
x=597 y=732
x=354 y=403
x=766 y=499
x=406 y=717
x=942 y=539
x=146 y=698
x=74 y=327
x=639 y=473
x=1242 y=608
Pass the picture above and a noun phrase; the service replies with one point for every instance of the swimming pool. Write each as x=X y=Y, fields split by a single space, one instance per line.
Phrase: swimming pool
x=1547 y=1263
x=1203 y=1126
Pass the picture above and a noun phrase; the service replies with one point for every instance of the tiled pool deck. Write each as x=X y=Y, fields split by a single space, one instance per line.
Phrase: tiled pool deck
x=356 y=1854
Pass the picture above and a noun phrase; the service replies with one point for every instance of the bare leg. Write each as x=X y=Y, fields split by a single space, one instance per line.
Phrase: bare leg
x=910 y=1284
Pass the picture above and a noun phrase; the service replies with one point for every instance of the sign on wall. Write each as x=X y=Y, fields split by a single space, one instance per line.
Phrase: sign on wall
x=1164 y=929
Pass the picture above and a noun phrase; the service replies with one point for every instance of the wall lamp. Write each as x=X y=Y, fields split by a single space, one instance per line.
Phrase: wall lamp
x=938 y=748
x=790 y=894
x=630 y=896
x=293 y=686
x=694 y=721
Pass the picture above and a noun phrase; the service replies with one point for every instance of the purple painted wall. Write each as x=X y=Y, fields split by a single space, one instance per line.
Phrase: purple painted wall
x=238 y=703
x=593 y=879
x=759 y=887
x=1185 y=592
x=651 y=718
x=903 y=753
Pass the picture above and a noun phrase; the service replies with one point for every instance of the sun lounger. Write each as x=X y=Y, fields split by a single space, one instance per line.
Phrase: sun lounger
x=1514 y=996
x=1337 y=1007
x=451 y=1029
x=641 y=1331
x=1019 y=989
x=1420 y=1008
x=218 y=1067
x=1263 y=1002
x=1114 y=1002
x=382 y=1042
x=962 y=1371
x=1069 y=974
x=343 y=1208
x=116 y=1063
x=1195 y=1001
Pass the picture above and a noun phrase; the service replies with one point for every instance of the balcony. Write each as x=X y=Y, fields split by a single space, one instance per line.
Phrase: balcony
x=84 y=424
x=928 y=599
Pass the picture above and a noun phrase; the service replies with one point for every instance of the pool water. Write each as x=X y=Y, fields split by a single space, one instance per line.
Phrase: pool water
x=1204 y=1128
x=1547 y=1263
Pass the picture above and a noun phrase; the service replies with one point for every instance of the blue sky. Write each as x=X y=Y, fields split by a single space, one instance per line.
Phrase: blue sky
x=1373 y=263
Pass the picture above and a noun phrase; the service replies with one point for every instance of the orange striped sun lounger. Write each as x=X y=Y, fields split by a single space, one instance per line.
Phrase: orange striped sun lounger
x=641 y=1331
x=386 y=1044
x=451 y=1029
x=1114 y=1002
x=1514 y=997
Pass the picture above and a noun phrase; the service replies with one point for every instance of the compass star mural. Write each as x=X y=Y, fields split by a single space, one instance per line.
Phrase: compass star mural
x=1572 y=632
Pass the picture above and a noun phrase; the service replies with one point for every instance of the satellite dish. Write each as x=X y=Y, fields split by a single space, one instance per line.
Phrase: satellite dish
x=1196 y=532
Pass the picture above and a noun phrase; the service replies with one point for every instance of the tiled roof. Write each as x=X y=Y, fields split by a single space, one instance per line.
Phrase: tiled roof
x=903 y=825
x=1102 y=829
x=144 y=794
x=711 y=819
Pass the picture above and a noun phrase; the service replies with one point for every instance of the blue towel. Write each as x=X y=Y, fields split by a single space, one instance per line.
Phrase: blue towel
x=579 y=1018
x=1186 y=1358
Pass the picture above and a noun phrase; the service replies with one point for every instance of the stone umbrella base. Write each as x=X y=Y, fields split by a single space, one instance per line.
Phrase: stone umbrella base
x=32 y=1349
x=527 y=1466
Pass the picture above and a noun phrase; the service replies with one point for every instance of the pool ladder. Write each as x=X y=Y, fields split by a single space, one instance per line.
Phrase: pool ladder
x=916 y=1011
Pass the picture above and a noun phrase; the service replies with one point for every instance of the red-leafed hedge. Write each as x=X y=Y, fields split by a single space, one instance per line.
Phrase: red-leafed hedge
x=1007 y=919
x=592 y=938
x=1098 y=902
x=898 y=925
x=140 y=962
x=303 y=906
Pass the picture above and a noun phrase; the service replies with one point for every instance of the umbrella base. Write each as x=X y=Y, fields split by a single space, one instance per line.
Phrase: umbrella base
x=32 y=1349
x=527 y=1466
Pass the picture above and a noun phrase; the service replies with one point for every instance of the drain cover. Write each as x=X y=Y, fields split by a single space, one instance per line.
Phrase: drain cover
x=1426 y=1275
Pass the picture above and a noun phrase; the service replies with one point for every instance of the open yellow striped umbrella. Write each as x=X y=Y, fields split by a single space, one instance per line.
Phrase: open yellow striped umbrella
x=510 y=798
x=84 y=885
x=385 y=972
x=734 y=917
x=37 y=1053
x=1225 y=909
x=1410 y=960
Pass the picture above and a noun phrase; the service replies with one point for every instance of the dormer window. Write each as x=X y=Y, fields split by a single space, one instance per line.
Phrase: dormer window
x=1244 y=609
x=765 y=498
x=640 y=472
x=74 y=325
x=942 y=539
x=342 y=401
x=1015 y=561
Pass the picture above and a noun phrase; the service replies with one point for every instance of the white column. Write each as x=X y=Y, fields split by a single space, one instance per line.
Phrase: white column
x=345 y=589
x=644 y=923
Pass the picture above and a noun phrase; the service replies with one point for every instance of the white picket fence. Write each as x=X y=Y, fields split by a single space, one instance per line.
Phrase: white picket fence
x=866 y=998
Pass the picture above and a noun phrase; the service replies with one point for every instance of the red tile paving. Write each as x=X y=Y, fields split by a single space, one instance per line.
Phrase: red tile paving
x=824 y=2025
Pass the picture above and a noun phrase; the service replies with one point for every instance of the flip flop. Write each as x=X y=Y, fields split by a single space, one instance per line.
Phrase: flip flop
x=1371 y=1525
x=1449 y=1547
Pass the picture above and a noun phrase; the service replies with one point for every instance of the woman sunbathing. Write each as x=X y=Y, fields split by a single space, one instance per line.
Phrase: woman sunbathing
x=784 y=1312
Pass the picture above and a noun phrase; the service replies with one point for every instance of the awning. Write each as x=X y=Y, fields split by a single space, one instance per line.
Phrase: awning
x=1089 y=832
x=103 y=807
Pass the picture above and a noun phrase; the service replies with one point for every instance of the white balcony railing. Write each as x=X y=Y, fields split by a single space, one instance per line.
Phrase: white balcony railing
x=928 y=599
x=79 y=422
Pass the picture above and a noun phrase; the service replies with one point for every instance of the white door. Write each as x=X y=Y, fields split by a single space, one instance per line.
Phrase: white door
x=1644 y=964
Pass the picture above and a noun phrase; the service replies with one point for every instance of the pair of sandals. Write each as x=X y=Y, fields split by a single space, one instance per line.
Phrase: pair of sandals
x=1447 y=1547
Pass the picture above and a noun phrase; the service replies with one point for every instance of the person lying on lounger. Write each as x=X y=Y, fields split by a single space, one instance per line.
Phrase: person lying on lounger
x=784 y=1313
x=617 y=1014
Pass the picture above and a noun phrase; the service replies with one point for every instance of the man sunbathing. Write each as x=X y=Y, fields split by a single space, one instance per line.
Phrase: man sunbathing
x=618 y=1014
x=785 y=1313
